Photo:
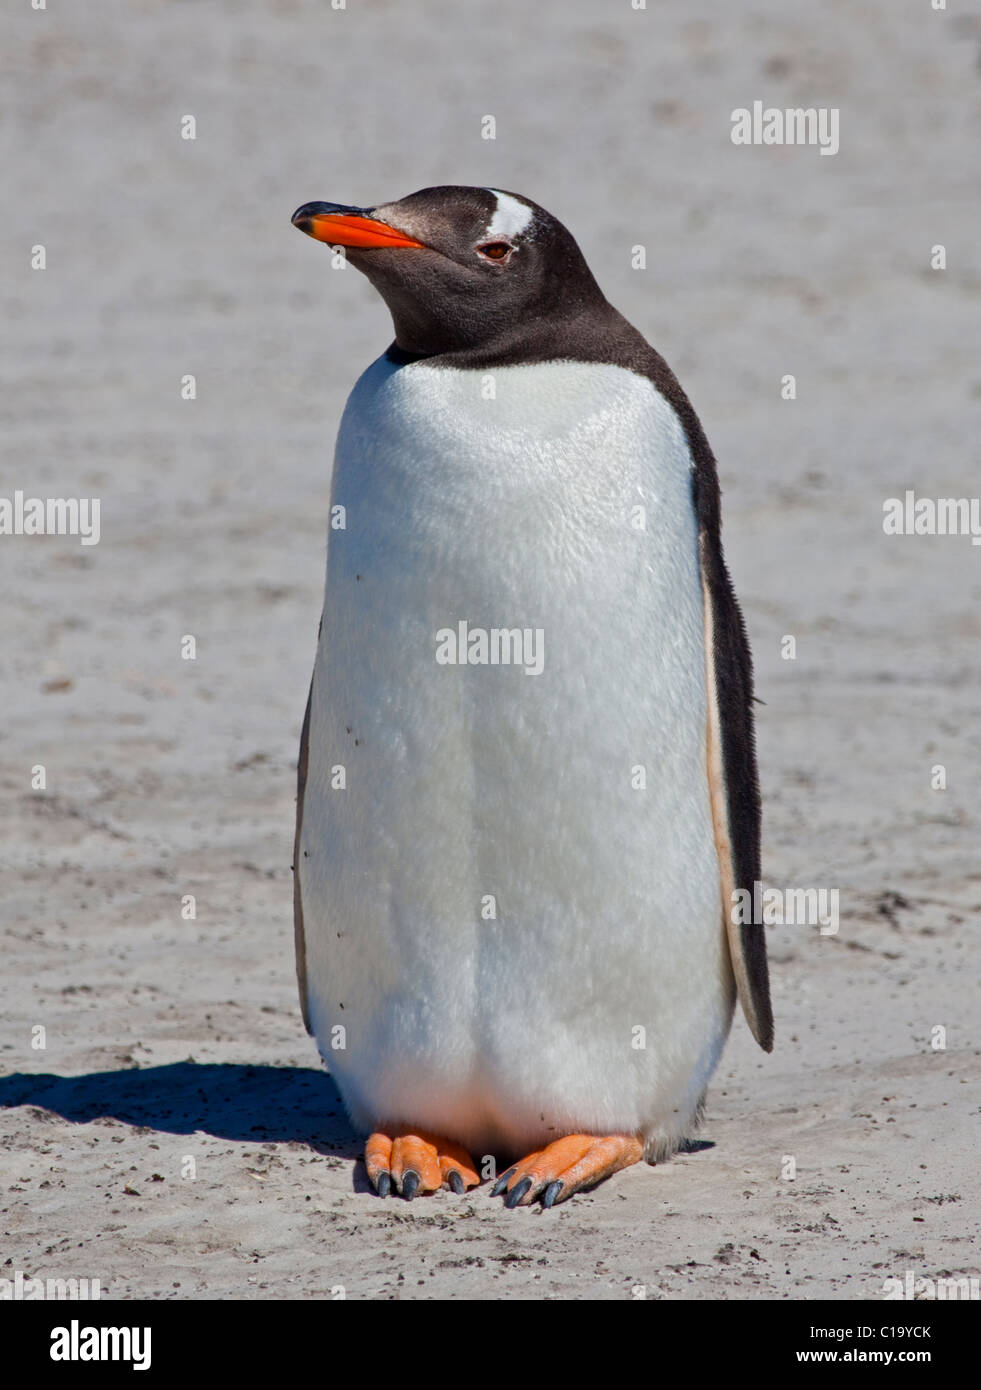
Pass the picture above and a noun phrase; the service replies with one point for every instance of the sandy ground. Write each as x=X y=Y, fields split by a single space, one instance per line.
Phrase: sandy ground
x=170 y=1040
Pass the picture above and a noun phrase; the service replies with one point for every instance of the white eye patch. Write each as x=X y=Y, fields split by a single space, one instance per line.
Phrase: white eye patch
x=510 y=217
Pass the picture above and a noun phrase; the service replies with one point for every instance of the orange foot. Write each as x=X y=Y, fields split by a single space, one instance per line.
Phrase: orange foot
x=417 y=1162
x=567 y=1166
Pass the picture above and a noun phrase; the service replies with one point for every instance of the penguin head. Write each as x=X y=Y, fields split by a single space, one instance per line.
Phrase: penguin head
x=460 y=268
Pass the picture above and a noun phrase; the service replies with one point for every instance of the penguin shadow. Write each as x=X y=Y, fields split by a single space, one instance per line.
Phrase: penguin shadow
x=252 y=1104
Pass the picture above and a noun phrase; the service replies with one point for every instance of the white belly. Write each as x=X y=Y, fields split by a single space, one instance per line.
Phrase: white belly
x=517 y=938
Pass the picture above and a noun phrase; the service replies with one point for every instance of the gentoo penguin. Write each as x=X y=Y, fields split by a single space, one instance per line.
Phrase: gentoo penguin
x=527 y=776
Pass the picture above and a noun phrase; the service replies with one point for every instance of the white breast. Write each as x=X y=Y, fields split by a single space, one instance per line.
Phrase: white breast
x=516 y=935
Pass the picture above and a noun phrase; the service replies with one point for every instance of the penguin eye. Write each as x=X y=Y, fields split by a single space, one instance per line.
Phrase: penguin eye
x=495 y=250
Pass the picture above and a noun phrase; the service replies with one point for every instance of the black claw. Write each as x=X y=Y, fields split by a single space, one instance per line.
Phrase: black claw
x=410 y=1184
x=517 y=1192
x=501 y=1183
x=383 y=1184
x=552 y=1192
x=456 y=1182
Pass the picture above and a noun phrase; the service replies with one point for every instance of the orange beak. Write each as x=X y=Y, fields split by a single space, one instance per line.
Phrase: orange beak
x=340 y=226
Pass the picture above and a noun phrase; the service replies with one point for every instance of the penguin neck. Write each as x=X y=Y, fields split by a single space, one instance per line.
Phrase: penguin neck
x=573 y=336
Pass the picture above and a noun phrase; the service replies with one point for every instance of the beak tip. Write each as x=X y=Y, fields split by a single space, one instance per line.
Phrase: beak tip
x=303 y=216
x=339 y=225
